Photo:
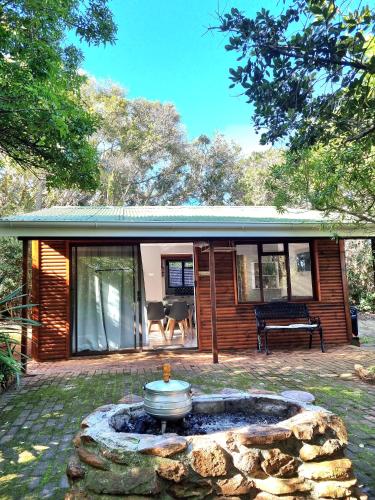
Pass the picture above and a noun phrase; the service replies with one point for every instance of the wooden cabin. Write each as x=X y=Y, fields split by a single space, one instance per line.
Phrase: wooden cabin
x=96 y=270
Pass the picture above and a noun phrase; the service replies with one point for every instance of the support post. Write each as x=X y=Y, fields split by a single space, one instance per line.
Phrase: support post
x=139 y=297
x=345 y=291
x=215 y=354
x=35 y=262
x=25 y=291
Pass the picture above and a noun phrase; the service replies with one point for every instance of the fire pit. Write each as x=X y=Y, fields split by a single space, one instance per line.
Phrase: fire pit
x=242 y=445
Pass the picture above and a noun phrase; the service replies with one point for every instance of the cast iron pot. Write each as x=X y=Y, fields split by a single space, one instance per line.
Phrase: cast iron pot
x=167 y=399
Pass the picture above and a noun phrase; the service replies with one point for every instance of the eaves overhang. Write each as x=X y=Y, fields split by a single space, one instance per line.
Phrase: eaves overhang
x=193 y=230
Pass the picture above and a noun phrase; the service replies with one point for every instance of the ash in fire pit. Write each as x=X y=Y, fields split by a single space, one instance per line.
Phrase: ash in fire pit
x=193 y=424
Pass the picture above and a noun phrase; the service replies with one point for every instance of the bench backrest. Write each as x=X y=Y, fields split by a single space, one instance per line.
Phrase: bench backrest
x=281 y=310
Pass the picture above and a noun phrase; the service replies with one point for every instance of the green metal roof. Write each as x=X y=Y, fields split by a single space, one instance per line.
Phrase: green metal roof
x=181 y=214
x=193 y=222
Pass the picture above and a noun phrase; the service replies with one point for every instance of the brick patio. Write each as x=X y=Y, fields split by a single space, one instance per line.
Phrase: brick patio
x=39 y=419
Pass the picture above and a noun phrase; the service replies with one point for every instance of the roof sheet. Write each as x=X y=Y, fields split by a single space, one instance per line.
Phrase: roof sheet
x=172 y=214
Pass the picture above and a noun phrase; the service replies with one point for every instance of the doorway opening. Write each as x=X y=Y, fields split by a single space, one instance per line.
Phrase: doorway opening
x=127 y=297
x=169 y=293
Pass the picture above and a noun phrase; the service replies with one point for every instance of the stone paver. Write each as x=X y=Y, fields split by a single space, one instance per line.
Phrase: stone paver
x=38 y=420
x=366 y=329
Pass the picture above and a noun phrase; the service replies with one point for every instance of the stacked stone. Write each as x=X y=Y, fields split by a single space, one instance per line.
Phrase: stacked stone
x=301 y=457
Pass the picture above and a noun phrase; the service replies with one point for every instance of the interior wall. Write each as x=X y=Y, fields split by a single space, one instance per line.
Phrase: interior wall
x=151 y=261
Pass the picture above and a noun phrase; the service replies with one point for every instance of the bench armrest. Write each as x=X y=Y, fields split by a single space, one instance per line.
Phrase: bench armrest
x=314 y=319
x=261 y=324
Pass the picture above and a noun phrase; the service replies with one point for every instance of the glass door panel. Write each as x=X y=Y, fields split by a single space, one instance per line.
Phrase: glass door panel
x=106 y=306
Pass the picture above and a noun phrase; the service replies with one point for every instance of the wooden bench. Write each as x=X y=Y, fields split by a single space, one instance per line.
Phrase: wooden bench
x=285 y=311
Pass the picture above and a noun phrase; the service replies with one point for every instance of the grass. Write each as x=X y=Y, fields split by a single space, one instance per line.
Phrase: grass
x=41 y=419
x=366 y=340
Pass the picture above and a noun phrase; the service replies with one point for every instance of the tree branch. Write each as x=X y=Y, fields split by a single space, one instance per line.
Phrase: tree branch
x=293 y=52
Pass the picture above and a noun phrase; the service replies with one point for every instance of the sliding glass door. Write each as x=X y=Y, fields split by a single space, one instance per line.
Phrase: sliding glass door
x=107 y=298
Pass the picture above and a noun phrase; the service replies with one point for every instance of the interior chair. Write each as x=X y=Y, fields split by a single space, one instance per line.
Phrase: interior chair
x=179 y=313
x=156 y=314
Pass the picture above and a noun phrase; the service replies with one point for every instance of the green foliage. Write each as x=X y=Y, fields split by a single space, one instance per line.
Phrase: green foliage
x=45 y=127
x=330 y=179
x=10 y=367
x=215 y=171
x=147 y=159
x=10 y=323
x=255 y=178
x=309 y=72
x=360 y=274
x=10 y=265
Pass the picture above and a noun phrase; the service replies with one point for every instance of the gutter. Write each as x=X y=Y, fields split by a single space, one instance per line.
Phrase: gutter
x=156 y=224
x=66 y=229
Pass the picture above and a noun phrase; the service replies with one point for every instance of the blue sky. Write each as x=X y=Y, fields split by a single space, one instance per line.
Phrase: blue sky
x=163 y=52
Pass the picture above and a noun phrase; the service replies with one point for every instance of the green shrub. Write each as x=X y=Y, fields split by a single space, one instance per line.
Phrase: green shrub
x=367 y=302
x=10 y=367
x=10 y=265
x=10 y=322
x=360 y=274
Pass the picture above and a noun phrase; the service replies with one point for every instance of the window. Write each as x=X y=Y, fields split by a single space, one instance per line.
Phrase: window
x=274 y=271
x=180 y=277
x=248 y=273
x=300 y=270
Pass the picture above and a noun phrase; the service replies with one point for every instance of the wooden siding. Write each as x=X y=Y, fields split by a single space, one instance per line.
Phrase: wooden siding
x=51 y=288
x=236 y=322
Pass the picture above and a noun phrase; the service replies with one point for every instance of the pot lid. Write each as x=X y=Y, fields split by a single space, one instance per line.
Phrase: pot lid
x=171 y=386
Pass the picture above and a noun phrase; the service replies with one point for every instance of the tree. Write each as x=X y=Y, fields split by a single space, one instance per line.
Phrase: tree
x=215 y=171
x=256 y=175
x=146 y=158
x=309 y=72
x=43 y=124
x=141 y=148
x=17 y=190
x=328 y=179
x=10 y=265
x=359 y=264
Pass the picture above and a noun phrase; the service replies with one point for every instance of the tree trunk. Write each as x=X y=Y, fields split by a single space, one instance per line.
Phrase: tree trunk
x=373 y=256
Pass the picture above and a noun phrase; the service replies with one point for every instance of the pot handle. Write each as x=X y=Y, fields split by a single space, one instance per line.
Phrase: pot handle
x=166 y=372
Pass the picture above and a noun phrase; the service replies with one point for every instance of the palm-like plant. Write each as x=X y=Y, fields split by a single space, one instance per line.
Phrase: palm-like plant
x=10 y=322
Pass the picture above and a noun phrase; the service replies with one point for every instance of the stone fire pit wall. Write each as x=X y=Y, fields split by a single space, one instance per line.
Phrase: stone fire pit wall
x=300 y=457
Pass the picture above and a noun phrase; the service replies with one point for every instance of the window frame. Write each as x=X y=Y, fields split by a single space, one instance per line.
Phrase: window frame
x=183 y=260
x=285 y=252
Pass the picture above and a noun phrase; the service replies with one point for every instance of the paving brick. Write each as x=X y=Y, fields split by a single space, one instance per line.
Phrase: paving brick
x=54 y=401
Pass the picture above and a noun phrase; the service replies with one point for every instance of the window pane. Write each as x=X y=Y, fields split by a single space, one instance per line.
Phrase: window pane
x=273 y=247
x=300 y=270
x=274 y=278
x=248 y=273
x=188 y=274
x=175 y=273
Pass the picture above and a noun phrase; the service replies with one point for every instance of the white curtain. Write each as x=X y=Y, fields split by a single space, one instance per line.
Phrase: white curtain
x=106 y=280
